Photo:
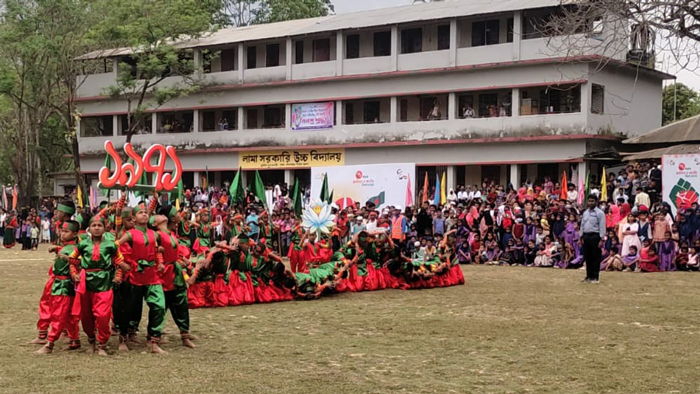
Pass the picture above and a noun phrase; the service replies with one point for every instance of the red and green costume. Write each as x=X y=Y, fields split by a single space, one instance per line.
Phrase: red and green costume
x=201 y=293
x=174 y=285
x=203 y=240
x=62 y=298
x=297 y=260
x=240 y=284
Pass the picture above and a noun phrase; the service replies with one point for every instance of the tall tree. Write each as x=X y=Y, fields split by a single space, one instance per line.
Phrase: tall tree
x=681 y=99
x=284 y=10
x=148 y=30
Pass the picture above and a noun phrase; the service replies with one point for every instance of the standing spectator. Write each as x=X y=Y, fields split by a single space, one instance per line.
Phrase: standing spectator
x=641 y=198
x=45 y=230
x=592 y=231
x=34 y=233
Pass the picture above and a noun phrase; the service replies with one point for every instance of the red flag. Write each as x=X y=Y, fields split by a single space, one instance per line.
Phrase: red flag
x=14 y=198
x=409 y=194
x=425 y=188
x=564 y=187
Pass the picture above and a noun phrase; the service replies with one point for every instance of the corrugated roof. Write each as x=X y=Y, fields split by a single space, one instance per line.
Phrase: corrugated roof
x=657 y=153
x=355 y=20
x=686 y=130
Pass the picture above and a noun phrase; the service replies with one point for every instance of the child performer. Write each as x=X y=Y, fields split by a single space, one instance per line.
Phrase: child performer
x=62 y=291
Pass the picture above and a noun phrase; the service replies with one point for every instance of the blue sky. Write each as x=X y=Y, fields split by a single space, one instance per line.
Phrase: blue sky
x=690 y=78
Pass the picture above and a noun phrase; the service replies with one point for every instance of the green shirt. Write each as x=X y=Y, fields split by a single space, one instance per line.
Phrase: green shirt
x=61 y=267
x=97 y=256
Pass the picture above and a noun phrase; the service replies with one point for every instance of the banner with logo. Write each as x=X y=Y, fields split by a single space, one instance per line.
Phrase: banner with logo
x=298 y=158
x=680 y=179
x=312 y=116
x=383 y=184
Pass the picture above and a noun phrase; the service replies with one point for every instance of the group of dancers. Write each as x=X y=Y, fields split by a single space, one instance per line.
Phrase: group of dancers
x=106 y=265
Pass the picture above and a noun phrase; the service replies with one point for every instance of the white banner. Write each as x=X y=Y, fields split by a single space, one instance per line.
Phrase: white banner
x=680 y=180
x=386 y=184
x=312 y=116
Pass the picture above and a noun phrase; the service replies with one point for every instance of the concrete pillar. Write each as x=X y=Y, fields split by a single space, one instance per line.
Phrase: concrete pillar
x=77 y=128
x=154 y=122
x=241 y=62
x=241 y=118
x=195 y=121
x=115 y=125
x=394 y=108
x=197 y=179
x=338 y=113
x=453 y=42
x=339 y=52
x=394 y=48
x=288 y=56
x=289 y=179
x=515 y=175
x=244 y=179
x=197 y=62
x=115 y=67
x=586 y=97
x=288 y=116
x=582 y=173
x=517 y=34
x=451 y=178
x=452 y=106
x=515 y=102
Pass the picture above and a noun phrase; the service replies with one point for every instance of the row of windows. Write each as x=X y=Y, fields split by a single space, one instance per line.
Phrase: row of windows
x=429 y=107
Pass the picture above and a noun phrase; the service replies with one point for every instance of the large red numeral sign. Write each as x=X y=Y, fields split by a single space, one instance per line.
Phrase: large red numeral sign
x=127 y=175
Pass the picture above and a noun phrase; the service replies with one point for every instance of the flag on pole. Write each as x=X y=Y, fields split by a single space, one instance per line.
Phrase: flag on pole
x=259 y=189
x=108 y=164
x=330 y=197
x=79 y=193
x=436 y=198
x=564 y=187
x=581 y=186
x=324 y=188
x=93 y=197
x=296 y=199
x=425 y=189
x=236 y=189
x=587 y=186
x=409 y=194
x=603 y=187
x=14 y=198
x=443 y=198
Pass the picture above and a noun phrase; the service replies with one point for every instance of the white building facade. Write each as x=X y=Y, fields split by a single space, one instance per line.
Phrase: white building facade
x=470 y=88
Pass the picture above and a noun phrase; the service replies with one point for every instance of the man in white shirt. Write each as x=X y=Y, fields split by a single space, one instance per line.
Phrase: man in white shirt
x=572 y=194
x=642 y=198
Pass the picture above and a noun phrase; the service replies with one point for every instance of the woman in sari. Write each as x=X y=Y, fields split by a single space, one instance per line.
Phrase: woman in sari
x=9 y=239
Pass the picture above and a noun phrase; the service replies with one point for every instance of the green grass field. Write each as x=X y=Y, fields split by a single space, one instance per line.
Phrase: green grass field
x=508 y=330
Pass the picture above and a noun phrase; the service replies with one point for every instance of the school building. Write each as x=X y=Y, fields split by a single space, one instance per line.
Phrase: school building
x=476 y=89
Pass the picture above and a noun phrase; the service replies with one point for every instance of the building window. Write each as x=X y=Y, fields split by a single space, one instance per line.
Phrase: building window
x=252 y=118
x=509 y=30
x=208 y=121
x=382 y=43
x=371 y=112
x=252 y=56
x=443 y=37
x=485 y=33
x=273 y=118
x=349 y=113
x=299 y=52
x=322 y=50
x=403 y=115
x=554 y=99
x=352 y=46
x=598 y=99
x=485 y=104
x=143 y=128
x=228 y=59
x=176 y=122
x=412 y=40
x=96 y=126
x=272 y=55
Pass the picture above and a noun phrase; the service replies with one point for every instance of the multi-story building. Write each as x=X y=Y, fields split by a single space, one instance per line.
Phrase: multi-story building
x=473 y=88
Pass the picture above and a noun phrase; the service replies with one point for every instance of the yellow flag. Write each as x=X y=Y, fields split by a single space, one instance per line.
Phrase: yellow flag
x=443 y=199
x=80 y=196
x=603 y=187
x=177 y=204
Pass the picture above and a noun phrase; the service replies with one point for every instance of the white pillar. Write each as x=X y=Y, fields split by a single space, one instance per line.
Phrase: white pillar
x=288 y=116
x=586 y=97
x=244 y=179
x=515 y=102
x=115 y=125
x=339 y=52
x=289 y=179
x=453 y=42
x=394 y=109
x=241 y=115
x=288 y=57
x=451 y=178
x=394 y=48
x=195 y=121
x=517 y=34
x=241 y=62
x=197 y=179
x=452 y=106
x=515 y=176
x=115 y=68
x=338 y=113
x=154 y=122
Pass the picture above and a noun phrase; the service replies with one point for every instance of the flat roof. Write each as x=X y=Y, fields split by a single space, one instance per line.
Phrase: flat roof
x=355 y=20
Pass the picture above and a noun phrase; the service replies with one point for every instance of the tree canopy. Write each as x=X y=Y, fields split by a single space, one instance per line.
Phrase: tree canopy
x=685 y=100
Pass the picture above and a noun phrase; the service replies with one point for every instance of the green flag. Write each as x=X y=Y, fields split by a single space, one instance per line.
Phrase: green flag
x=296 y=199
x=377 y=200
x=108 y=164
x=142 y=181
x=330 y=198
x=324 y=188
x=259 y=189
x=236 y=189
x=587 y=188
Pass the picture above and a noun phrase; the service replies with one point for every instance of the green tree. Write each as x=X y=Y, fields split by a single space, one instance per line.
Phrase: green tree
x=683 y=99
x=284 y=10
x=148 y=31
